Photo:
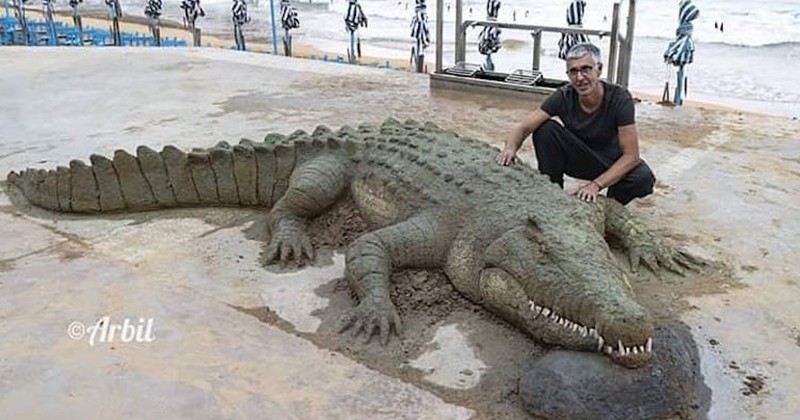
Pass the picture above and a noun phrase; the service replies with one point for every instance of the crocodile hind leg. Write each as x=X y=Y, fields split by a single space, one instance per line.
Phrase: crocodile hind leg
x=418 y=242
x=642 y=245
x=313 y=187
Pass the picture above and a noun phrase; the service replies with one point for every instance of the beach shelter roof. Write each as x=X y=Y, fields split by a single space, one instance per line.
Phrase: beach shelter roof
x=419 y=25
x=574 y=20
x=289 y=18
x=681 y=51
x=354 y=17
x=489 y=38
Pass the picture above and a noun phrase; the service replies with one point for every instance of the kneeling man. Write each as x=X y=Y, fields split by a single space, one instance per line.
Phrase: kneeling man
x=597 y=141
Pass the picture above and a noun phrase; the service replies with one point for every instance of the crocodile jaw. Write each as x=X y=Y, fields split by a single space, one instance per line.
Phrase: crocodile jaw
x=628 y=342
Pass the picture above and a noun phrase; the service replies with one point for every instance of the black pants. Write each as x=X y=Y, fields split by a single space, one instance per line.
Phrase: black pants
x=560 y=152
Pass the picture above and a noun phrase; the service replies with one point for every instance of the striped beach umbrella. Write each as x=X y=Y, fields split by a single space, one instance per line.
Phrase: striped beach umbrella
x=574 y=20
x=239 y=17
x=354 y=18
x=152 y=10
x=289 y=21
x=489 y=38
x=191 y=11
x=421 y=35
x=680 y=52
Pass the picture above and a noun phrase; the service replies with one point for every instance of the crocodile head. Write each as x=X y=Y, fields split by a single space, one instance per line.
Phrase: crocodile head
x=577 y=294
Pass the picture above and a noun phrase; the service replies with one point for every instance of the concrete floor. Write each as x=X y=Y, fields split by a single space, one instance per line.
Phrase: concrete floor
x=729 y=186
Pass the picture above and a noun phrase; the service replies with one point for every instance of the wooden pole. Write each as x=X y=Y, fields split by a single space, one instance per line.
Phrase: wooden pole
x=611 y=72
x=679 y=88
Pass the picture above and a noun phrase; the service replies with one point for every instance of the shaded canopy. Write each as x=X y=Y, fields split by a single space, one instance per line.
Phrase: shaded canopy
x=681 y=51
x=575 y=12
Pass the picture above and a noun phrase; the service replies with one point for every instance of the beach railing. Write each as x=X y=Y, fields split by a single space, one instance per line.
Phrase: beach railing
x=536 y=32
x=618 y=63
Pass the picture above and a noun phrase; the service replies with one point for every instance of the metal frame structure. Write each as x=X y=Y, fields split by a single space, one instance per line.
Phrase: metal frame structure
x=619 y=52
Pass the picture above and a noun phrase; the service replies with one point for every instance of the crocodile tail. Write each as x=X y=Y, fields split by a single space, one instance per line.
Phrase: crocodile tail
x=249 y=174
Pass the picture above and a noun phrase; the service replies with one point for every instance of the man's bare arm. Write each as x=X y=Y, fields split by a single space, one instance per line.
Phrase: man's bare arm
x=519 y=133
x=629 y=144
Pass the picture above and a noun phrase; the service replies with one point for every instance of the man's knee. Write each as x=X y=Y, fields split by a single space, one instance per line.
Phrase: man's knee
x=638 y=183
x=547 y=134
x=548 y=144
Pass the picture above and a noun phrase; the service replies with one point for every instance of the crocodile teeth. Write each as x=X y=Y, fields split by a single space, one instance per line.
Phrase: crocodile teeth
x=600 y=343
x=546 y=312
x=621 y=348
x=649 y=345
x=609 y=350
x=532 y=305
x=635 y=350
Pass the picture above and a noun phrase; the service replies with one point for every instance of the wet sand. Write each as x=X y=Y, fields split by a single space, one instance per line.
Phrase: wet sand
x=237 y=339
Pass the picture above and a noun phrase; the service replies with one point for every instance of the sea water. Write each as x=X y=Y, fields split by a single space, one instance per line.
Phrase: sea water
x=747 y=53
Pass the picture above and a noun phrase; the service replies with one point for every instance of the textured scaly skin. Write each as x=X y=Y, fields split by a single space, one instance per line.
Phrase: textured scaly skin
x=506 y=237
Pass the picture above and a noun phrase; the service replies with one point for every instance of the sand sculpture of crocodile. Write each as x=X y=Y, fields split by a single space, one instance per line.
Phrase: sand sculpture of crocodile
x=506 y=237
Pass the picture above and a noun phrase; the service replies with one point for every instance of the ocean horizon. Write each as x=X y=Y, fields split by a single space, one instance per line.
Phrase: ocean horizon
x=744 y=56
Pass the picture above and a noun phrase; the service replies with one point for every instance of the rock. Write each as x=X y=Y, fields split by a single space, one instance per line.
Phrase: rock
x=579 y=385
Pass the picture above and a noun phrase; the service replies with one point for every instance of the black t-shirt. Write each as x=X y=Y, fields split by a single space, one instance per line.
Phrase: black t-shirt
x=598 y=129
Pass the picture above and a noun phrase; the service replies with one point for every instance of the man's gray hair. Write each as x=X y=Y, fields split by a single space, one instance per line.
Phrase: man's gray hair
x=579 y=50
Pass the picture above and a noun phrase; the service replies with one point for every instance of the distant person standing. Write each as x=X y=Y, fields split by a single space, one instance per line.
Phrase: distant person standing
x=597 y=142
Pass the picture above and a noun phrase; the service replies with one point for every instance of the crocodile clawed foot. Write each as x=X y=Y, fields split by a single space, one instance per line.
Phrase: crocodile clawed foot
x=286 y=246
x=371 y=318
x=655 y=254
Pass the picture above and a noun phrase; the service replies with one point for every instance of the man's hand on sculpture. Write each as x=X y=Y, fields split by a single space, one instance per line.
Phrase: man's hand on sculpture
x=507 y=157
x=589 y=192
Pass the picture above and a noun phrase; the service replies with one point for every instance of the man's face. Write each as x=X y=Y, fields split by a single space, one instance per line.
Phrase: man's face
x=584 y=74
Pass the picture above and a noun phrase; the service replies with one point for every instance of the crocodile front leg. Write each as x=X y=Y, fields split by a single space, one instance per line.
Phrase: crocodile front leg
x=642 y=245
x=313 y=187
x=419 y=242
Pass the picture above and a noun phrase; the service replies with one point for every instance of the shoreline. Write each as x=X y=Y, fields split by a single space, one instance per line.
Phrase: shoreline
x=301 y=50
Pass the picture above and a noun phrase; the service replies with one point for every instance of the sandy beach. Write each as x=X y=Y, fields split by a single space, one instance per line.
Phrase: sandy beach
x=237 y=339
x=234 y=339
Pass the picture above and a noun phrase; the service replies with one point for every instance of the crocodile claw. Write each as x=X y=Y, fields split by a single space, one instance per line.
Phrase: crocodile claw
x=369 y=317
x=655 y=254
x=289 y=244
